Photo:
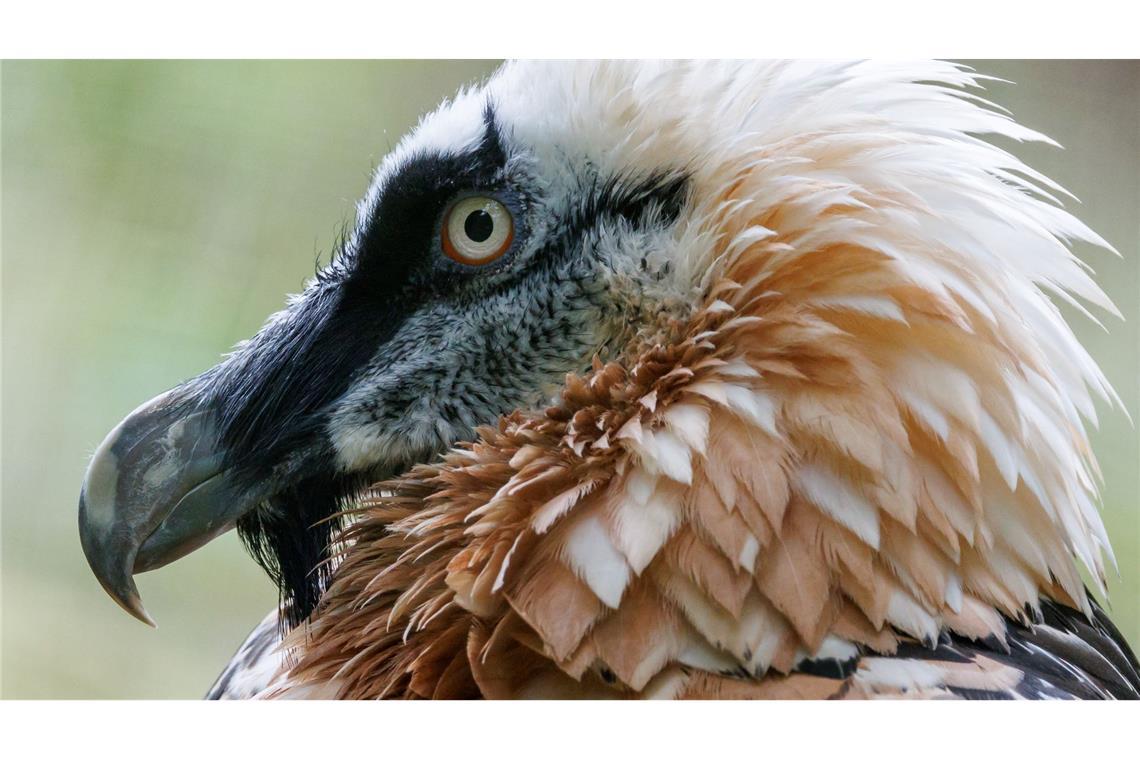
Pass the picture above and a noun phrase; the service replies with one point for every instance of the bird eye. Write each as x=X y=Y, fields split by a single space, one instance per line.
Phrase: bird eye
x=477 y=230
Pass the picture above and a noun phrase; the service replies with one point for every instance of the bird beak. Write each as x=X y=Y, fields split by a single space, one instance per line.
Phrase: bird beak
x=156 y=490
x=246 y=434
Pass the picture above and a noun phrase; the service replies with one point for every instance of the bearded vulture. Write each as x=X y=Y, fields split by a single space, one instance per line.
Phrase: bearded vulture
x=681 y=380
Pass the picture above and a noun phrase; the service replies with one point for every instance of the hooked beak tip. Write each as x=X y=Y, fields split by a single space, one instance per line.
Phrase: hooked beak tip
x=134 y=484
x=132 y=603
x=155 y=490
x=112 y=574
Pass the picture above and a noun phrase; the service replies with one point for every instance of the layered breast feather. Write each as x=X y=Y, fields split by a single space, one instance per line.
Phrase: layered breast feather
x=854 y=464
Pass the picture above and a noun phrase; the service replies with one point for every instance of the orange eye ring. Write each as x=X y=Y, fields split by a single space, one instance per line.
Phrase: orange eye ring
x=476 y=230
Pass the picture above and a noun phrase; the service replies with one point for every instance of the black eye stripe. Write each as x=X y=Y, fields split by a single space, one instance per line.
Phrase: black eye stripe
x=270 y=394
x=633 y=198
x=659 y=196
x=400 y=230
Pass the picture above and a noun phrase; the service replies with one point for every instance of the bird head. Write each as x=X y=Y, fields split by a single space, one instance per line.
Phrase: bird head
x=492 y=254
x=885 y=273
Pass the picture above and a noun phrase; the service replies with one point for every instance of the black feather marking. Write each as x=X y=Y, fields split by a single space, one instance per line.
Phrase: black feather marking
x=292 y=537
x=1063 y=656
x=635 y=200
x=1035 y=687
x=829 y=667
x=1120 y=649
x=1036 y=660
x=945 y=652
x=1066 y=656
x=1080 y=654
x=271 y=393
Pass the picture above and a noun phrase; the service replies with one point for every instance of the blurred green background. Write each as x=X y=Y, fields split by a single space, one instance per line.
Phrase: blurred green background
x=154 y=213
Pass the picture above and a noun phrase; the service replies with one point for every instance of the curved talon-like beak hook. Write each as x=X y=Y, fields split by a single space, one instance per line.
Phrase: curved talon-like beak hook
x=156 y=490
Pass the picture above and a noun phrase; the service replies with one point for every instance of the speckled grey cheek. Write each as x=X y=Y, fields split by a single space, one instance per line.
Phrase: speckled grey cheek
x=455 y=365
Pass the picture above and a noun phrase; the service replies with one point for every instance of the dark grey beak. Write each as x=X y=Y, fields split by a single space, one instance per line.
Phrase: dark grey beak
x=155 y=491
x=241 y=445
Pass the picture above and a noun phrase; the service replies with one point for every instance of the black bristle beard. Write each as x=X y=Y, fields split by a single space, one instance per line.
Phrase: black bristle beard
x=291 y=536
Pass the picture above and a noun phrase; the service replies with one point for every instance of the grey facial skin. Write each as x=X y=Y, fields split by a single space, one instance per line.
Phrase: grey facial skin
x=390 y=355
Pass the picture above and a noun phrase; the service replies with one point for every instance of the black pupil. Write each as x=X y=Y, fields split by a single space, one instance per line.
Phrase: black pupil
x=478 y=225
